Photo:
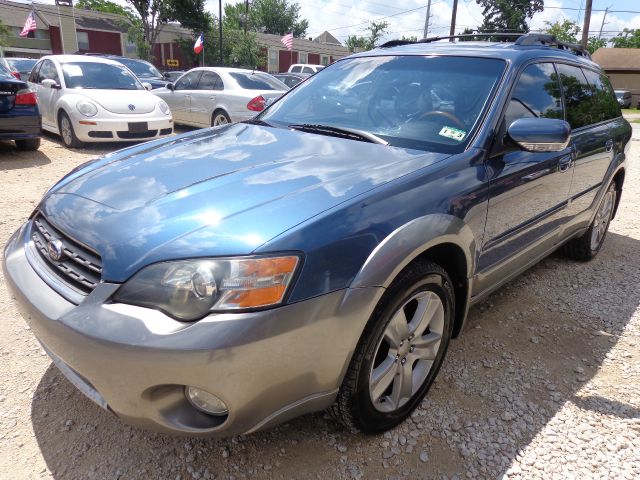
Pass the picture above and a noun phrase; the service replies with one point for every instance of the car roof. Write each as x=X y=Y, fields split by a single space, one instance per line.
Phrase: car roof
x=516 y=53
x=81 y=58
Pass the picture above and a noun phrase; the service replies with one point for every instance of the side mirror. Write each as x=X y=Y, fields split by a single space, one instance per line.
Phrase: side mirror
x=166 y=75
x=540 y=134
x=147 y=86
x=49 y=83
x=171 y=86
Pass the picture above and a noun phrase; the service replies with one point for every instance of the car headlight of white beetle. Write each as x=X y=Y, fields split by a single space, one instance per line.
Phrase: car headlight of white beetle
x=164 y=108
x=87 y=109
x=189 y=289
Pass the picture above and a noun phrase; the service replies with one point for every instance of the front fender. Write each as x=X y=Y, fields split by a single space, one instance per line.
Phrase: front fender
x=410 y=240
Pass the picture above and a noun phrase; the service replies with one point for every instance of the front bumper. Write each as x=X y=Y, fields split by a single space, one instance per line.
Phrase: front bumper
x=117 y=130
x=267 y=366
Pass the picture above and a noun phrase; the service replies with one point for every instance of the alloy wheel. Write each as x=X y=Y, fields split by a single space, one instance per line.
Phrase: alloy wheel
x=601 y=222
x=407 y=351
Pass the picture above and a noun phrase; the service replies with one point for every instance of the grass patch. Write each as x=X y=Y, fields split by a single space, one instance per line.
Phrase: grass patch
x=630 y=110
x=637 y=120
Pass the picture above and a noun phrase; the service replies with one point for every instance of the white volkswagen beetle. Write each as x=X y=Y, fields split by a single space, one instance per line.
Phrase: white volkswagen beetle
x=91 y=99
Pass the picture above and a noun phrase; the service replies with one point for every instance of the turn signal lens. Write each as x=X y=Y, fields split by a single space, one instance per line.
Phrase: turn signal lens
x=257 y=282
x=256 y=104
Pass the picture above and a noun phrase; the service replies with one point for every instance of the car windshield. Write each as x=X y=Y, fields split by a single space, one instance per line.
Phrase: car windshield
x=257 y=81
x=22 y=65
x=102 y=76
x=429 y=103
x=140 y=68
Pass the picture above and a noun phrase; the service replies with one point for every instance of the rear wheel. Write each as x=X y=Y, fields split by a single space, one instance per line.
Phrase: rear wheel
x=587 y=246
x=400 y=352
x=219 y=117
x=28 y=144
x=67 y=133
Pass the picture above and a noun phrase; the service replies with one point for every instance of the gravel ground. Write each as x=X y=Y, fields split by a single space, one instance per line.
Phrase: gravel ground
x=544 y=383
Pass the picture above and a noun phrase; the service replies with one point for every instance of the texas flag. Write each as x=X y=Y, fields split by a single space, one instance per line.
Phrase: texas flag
x=198 y=45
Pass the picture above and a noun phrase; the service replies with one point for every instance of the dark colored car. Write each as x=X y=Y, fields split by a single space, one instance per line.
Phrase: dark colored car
x=22 y=65
x=20 y=118
x=142 y=69
x=624 y=98
x=290 y=79
x=173 y=75
x=323 y=254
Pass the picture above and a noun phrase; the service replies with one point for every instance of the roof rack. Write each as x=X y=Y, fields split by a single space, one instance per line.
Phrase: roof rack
x=521 y=39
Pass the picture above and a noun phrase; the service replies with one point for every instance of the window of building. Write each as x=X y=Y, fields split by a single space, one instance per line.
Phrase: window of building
x=537 y=94
x=273 y=61
x=303 y=57
x=324 y=59
x=83 y=40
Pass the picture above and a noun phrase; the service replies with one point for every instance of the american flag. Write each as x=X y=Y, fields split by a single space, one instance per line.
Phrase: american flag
x=29 y=25
x=287 y=40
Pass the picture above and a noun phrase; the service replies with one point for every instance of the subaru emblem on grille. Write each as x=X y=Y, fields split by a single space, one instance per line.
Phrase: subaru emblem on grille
x=55 y=249
x=132 y=107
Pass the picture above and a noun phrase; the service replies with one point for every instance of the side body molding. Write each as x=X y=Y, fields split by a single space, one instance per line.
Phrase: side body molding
x=407 y=242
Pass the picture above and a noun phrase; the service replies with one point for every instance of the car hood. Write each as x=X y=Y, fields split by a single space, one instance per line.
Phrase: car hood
x=121 y=101
x=215 y=192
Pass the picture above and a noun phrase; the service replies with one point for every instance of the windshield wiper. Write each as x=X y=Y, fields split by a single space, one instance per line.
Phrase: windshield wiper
x=352 y=133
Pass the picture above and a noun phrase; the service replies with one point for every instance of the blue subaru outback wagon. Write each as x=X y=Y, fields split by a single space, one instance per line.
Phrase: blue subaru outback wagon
x=323 y=254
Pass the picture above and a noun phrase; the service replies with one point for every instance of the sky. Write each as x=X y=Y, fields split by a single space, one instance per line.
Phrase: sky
x=349 y=17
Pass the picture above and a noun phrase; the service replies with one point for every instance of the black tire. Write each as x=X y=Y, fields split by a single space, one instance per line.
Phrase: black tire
x=354 y=406
x=584 y=248
x=220 y=116
x=28 y=144
x=68 y=138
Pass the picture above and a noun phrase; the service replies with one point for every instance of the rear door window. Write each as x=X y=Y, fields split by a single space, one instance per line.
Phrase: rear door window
x=577 y=96
x=296 y=69
x=308 y=70
x=605 y=105
x=210 y=81
x=536 y=95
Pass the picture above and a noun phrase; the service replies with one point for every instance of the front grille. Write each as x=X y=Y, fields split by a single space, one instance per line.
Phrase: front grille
x=143 y=134
x=166 y=131
x=79 y=267
x=100 y=134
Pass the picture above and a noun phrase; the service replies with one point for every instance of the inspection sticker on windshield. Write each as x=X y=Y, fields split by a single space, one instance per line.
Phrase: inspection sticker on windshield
x=453 y=133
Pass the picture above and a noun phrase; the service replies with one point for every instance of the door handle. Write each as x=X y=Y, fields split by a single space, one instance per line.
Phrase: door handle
x=609 y=145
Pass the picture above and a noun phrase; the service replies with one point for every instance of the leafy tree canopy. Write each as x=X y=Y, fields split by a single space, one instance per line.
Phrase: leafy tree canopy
x=269 y=16
x=107 y=7
x=4 y=33
x=508 y=15
x=374 y=33
x=628 y=38
x=565 y=31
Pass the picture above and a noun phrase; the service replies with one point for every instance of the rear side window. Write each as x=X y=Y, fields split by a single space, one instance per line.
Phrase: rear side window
x=256 y=81
x=537 y=94
x=577 y=95
x=307 y=70
x=604 y=103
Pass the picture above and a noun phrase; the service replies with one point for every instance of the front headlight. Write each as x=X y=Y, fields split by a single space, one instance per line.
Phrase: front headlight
x=87 y=109
x=189 y=289
x=164 y=108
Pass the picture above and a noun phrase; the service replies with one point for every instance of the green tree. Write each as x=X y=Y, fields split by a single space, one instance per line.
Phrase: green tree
x=269 y=16
x=107 y=7
x=508 y=15
x=628 y=38
x=595 y=43
x=4 y=33
x=565 y=31
x=374 y=33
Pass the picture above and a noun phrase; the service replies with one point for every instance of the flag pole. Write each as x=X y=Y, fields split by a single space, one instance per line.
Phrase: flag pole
x=202 y=48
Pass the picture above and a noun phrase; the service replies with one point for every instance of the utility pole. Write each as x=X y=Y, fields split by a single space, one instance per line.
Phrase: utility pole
x=606 y=10
x=220 y=29
x=426 y=21
x=585 y=26
x=452 y=30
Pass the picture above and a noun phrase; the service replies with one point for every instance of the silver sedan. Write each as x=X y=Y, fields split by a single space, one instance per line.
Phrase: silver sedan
x=210 y=96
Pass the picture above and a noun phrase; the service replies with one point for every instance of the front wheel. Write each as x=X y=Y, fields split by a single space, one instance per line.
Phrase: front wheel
x=67 y=133
x=587 y=246
x=400 y=352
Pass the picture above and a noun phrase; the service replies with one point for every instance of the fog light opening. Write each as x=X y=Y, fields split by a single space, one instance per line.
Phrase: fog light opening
x=206 y=402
